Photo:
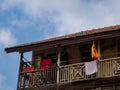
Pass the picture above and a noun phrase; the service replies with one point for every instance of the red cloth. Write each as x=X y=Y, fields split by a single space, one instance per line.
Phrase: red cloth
x=28 y=69
x=45 y=63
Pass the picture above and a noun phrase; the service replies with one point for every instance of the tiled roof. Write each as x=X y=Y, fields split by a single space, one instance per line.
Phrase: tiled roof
x=78 y=34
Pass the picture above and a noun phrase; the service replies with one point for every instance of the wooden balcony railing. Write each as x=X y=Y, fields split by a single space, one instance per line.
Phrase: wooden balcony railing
x=69 y=73
x=74 y=72
x=37 y=78
x=109 y=67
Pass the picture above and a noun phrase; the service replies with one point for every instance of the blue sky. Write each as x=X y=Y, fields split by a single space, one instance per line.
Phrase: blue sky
x=23 y=21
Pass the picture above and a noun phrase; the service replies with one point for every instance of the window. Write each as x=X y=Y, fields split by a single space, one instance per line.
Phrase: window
x=85 y=50
x=108 y=48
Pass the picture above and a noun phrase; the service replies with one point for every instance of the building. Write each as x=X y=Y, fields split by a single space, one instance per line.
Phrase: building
x=65 y=62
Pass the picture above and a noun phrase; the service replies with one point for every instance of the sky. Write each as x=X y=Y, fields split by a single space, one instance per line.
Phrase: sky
x=24 y=21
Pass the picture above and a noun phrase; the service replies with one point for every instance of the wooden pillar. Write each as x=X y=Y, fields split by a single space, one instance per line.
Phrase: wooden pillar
x=59 y=55
x=20 y=66
x=98 y=64
x=98 y=49
x=58 y=63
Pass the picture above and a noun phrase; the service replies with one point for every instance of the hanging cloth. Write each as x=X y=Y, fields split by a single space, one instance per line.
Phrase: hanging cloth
x=94 y=53
x=28 y=69
x=45 y=63
x=90 y=67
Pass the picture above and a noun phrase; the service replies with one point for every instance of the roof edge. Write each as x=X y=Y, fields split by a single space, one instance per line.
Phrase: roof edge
x=68 y=36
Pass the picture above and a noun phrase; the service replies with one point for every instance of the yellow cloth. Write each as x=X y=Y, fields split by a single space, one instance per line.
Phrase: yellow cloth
x=94 y=52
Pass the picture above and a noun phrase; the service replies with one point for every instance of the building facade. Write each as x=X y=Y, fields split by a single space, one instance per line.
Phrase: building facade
x=65 y=62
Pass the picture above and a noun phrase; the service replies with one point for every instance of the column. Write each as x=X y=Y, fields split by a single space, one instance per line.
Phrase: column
x=58 y=63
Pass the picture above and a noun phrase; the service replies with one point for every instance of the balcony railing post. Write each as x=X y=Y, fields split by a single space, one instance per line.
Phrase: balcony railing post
x=58 y=75
x=98 y=69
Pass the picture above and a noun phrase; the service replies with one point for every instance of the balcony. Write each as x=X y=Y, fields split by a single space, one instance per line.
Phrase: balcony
x=69 y=73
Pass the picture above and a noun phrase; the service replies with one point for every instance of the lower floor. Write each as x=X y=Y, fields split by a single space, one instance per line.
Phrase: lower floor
x=96 y=84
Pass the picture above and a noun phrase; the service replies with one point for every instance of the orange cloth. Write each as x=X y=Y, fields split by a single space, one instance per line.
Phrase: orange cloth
x=94 y=52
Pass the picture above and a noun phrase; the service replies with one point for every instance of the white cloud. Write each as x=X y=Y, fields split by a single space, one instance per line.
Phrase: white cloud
x=6 y=38
x=2 y=86
x=71 y=15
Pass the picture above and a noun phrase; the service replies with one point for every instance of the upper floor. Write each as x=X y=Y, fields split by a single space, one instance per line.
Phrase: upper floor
x=67 y=59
